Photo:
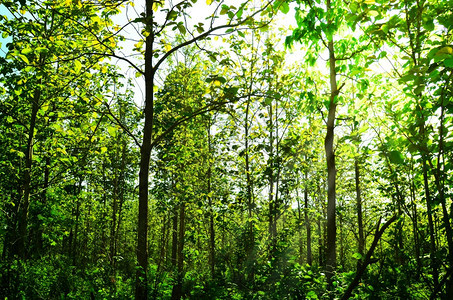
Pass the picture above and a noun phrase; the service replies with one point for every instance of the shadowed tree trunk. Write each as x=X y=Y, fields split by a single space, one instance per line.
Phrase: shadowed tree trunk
x=25 y=201
x=361 y=239
x=307 y=224
x=331 y=249
x=211 y=209
x=176 y=293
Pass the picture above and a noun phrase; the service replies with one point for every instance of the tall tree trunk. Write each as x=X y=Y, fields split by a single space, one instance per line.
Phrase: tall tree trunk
x=321 y=249
x=174 y=243
x=121 y=199
x=432 y=248
x=415 y=226
x=162 y=247
x=331 y=251
x=361 y=239
x=141 y=282
x=76 y=233
x=38 y=235
x=299 y=227
x=307 y=224
x=342 y=250
x=25 y=201
x=211 y=209
x=114 y=214
x=250 y=203
x=272 y=204
x=177 y=288
x=439 y=175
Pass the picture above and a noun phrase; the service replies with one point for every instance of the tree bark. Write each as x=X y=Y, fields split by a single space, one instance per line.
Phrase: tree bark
x=307 y=225
x=432 y=238
x=361 y=239
x=271 y=196
x=331 y=260
x=415 y=226
x=25 y=202
x=211 y=209
x=141 y=289
x=176 y=293
x=174 y=243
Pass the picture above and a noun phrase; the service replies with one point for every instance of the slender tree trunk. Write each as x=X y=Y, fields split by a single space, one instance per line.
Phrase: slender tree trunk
x=121 y=198
x=440 y=185
x=141 y=283
x=272 y=208
x=114 y=214
x=299 y=227
x=321 y=249
x=250 y=204
x=39 y=246
x=432 y=238
x=307 y=225
x=76 y=229
x=361 y=241
x=415 y=227
x=331 y=252
x=25 y=202
x=174 y=243
x=76 y=233
x=211 y=209
x=177 y=288
x=342 y=250
x=162 y=247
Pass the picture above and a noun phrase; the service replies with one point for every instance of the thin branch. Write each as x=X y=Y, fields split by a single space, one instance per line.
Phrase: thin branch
x=361 y=270
x=206 y=34
x=201 y=111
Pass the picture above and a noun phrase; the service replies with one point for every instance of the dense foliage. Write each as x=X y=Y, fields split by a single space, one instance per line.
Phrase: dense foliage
x=257 y=150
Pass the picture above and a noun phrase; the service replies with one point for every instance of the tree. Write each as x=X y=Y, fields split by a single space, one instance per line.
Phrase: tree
x=156 y=52
x=42 y=34
x=317 y=27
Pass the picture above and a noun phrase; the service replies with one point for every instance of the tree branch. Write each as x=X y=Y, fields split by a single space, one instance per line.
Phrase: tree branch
x=361 y=270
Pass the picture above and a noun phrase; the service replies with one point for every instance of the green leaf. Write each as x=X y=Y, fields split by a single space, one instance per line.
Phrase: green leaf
x=353 y=7
x=239 y=13
x=78 y=66
x=448 y=62
x=26 y=51
x=112 y=131
x=224 y=9
x=284 y=8
x=396 y=157
x=264 y=28
x=429 y=24
x=419 y=89
x=357 y=255
x=182 y=28
x=41 y=49
x=373 y=13
x=172 y=15
x=24 y=58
